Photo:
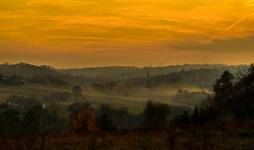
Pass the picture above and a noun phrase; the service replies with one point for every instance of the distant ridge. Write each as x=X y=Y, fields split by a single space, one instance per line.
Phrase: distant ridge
x=202 y=75
x=133 y=71
x=25 y=69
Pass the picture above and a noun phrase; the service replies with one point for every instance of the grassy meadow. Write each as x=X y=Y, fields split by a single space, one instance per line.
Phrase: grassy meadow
x=135 y=102
x=193 y=109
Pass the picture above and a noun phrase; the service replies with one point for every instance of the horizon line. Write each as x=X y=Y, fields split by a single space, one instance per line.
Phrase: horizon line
x=111 y=66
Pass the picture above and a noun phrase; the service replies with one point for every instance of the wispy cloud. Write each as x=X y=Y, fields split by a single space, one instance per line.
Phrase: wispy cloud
x=84 y=27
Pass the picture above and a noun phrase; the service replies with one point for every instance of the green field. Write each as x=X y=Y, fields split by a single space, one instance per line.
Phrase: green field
x=135 y=102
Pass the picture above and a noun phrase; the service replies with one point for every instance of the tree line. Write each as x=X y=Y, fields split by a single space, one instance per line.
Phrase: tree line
x=232 y=101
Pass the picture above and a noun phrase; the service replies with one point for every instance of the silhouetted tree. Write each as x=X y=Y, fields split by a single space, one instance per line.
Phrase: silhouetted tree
x=105 y=115
x=119 y=118
x=184 y=118
x=9 y=121
x=232 y=100
x=85 y=122
x=195 y=115
x=77 y=92
x=3 y=106
x=76 y=108
x=105 y=123
x=1 y=78
x=32 y=121
x=49 y=119
x=223 y=89
x=244 y=96
x=155 y=114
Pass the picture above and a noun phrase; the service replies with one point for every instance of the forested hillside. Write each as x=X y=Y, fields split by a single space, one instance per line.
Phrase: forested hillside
x=121 y=72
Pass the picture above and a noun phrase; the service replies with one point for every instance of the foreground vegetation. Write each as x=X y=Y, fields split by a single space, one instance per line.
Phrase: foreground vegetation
x=182 y=139
x=68 y=119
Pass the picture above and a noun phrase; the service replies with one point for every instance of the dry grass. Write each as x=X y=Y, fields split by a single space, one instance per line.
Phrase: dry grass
x=171 y=139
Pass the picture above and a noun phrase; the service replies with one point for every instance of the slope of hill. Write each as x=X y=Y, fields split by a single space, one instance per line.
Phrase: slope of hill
x=26 y=70
x=119 y=86
x=201 y=75
x=33 y=74
x=124 y=72
x=198 y=76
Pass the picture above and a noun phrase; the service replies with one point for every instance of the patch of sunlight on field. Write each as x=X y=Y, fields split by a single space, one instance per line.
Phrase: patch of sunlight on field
x=134 y=101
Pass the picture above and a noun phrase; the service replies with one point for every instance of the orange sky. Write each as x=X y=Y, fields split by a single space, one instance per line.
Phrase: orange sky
x=76 y=33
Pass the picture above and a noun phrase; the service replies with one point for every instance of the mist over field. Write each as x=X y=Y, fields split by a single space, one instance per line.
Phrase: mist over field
x=126 y=75
x=166 y=106
x=181 y=85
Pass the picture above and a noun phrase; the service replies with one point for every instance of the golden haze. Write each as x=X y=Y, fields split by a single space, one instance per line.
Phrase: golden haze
x=74 y=33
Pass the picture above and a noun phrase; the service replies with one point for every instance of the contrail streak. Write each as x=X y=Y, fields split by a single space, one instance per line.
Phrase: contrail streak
x=238 y=22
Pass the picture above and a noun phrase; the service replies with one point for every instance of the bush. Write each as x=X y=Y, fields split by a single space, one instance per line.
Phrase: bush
x=155 y=114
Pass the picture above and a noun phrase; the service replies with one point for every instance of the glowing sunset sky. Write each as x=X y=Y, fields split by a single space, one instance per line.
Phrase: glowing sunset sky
x=75 y=33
